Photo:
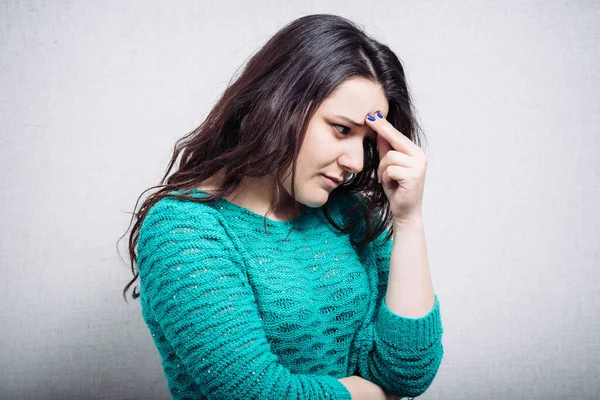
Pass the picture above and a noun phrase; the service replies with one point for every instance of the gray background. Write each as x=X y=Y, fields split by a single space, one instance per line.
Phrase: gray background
x=95 y=94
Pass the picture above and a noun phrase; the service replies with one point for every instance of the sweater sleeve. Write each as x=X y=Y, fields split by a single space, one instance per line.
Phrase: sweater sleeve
x=193 y=280
x=400 y=354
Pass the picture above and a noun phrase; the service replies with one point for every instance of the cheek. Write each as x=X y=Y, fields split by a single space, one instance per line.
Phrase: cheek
x=317 y=150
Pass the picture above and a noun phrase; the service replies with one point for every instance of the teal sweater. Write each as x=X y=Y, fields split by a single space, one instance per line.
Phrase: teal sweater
x=236 y=313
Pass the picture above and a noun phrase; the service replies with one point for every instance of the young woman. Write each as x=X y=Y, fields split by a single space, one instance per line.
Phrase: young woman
x=266 y=265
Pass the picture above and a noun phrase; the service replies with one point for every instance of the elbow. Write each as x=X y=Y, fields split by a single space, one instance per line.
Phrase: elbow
x=417 y=379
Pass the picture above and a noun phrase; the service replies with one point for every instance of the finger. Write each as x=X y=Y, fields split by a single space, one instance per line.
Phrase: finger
x=383 y=146
x=394 y=173
x=394 y=137
x=394 y=157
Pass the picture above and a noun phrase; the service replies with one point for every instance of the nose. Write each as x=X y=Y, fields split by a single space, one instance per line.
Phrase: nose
x=352 y=159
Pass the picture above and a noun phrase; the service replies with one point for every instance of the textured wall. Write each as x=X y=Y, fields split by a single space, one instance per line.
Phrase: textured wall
x=94 y=95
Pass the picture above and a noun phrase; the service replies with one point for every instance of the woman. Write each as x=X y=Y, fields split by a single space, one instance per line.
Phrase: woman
x=265 y=261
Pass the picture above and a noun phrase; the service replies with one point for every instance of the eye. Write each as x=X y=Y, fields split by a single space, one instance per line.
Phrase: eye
x=342 y=126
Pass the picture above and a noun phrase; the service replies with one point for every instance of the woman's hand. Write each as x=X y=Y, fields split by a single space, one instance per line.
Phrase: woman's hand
x=362 y=389
x=402 y=168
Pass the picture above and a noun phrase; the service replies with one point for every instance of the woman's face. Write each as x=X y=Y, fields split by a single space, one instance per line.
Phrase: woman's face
x=333 y=146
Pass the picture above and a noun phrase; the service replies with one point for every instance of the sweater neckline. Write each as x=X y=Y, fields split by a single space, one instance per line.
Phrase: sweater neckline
x=226 y=204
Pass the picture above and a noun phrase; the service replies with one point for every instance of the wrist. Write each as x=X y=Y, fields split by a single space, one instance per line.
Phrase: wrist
x=412 y=216
x=414 y=220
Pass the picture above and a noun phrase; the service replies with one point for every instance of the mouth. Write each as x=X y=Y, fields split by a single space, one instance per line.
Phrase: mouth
x=331 y=182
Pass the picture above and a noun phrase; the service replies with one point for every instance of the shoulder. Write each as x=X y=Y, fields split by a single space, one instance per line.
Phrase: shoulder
x=171 y=212
x=178 y=229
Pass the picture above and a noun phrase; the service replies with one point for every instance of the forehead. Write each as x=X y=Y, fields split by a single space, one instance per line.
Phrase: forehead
x=356 y=97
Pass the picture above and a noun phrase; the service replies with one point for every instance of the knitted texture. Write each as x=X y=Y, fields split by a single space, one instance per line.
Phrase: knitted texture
x=237 y=313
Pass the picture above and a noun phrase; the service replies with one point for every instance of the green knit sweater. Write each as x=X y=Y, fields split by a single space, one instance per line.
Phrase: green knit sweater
x=237 y=313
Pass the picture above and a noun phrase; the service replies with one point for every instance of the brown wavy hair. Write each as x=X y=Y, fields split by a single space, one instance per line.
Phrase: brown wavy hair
x=258 y=125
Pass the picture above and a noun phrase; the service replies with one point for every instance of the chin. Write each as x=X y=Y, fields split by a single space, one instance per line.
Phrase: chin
x=318 y=198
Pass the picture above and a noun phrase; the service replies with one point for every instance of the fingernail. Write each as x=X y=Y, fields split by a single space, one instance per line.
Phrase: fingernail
x=379 y=115
x=370 y=117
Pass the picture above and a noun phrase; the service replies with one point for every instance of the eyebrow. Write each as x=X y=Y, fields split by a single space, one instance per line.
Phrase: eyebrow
x=348 y=120
x=356 y=124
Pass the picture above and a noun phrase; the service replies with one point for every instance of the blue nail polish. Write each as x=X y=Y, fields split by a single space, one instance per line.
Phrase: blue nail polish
x=370 y=117
x=379 y=115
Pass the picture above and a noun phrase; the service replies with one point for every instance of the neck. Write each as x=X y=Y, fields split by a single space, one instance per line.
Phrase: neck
x=258 y=194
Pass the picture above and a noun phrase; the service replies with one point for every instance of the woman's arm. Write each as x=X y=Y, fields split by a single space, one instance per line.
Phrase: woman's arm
x=401 y=353
x=409 y=290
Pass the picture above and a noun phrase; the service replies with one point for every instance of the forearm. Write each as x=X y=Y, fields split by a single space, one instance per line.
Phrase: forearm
x=410 y=290
x=404 y=351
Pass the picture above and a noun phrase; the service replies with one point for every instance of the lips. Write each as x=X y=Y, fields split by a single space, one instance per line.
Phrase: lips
x=336 y=180
x=331 y=182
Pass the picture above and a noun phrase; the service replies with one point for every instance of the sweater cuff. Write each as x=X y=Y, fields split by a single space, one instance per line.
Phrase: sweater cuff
x=340 y=391
x=407 y=332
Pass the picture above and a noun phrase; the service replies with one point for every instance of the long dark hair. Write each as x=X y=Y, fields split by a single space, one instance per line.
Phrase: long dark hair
x=258 y=125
